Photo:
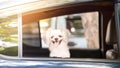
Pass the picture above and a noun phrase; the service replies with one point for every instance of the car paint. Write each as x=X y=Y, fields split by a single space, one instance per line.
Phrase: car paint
x=56 y=64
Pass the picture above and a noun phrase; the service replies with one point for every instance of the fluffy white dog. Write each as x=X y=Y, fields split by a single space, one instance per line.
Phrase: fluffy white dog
x=57 y=39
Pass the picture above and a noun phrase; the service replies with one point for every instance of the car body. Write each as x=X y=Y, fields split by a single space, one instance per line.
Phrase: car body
x=32 y=51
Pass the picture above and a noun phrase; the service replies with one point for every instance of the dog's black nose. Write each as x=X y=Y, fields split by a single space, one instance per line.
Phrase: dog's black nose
x=56 y=39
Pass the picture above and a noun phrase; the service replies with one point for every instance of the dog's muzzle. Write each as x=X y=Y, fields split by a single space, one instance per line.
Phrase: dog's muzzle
x=56 y=41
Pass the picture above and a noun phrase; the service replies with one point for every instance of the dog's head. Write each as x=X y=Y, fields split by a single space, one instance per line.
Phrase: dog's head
x=56 y=36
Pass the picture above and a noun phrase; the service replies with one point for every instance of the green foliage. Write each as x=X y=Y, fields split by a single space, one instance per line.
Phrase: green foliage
x=7 y=31
x=10 y=51
x=2 y=48
x=78 y=24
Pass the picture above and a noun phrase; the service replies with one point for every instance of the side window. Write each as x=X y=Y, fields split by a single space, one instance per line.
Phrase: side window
x=84 y=29
x=9 y=35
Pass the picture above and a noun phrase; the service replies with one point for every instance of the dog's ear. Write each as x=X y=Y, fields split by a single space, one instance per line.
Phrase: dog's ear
x=66 y=31
x=46 y=37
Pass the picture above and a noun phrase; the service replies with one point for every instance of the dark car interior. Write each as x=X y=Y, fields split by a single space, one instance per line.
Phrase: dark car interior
x=107 y=28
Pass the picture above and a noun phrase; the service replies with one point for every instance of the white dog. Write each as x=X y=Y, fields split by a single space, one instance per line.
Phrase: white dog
x=57 y=40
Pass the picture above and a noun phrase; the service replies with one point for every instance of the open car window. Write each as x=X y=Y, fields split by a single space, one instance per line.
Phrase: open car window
x=84 y=29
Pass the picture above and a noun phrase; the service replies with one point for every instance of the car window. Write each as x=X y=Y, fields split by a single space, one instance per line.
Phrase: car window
x=83 y=27
x=9 y=35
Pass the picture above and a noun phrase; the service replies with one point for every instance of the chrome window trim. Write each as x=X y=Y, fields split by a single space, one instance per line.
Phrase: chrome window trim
x=20 y=48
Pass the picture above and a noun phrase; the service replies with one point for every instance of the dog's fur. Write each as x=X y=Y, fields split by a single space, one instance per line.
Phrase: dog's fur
x=57 y=39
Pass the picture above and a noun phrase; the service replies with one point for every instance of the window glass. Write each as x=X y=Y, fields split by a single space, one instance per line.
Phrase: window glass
x=118 y=10
x=9 y=35
x=31 y=35
x=82 y=26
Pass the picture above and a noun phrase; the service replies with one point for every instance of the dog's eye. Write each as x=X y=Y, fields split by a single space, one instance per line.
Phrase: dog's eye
x=60 y=36
x=52 y=36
